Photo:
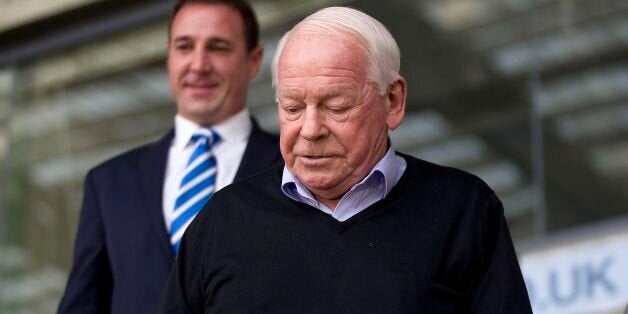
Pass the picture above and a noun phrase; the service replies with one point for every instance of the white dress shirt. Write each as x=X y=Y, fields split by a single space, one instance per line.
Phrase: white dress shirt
x=234 y=135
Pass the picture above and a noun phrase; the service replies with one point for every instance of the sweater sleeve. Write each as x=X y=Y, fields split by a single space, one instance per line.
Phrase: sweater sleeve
x=184 y=289
x=499 y=285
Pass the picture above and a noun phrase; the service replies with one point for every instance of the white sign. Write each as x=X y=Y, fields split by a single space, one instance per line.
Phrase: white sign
x=583 y=277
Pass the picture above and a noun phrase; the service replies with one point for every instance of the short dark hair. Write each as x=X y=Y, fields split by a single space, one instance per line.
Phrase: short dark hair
x=251 y=27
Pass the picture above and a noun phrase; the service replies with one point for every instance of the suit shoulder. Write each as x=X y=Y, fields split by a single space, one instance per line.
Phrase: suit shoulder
x=270 y=137
x=262 y=136
x=120 y=159
x=132 y=158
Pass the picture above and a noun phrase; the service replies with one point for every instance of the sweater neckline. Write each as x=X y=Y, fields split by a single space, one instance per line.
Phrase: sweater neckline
x=373 y=209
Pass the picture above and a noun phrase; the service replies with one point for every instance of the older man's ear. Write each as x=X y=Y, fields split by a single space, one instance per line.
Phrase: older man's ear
x=396 y=103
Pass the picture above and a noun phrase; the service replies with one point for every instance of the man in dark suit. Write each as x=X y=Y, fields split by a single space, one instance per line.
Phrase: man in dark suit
x=137 y=205
x=347 y=225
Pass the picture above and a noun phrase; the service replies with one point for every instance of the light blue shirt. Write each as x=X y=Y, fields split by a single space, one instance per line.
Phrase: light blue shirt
x=374 y=187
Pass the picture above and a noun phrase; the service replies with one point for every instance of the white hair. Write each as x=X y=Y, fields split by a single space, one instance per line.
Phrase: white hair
x=380 y=47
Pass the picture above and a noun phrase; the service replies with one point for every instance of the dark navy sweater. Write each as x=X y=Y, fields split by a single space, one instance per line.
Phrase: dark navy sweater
x=438 y=243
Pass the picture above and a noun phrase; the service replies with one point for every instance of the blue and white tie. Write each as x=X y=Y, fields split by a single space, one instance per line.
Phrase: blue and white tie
x=197 y=186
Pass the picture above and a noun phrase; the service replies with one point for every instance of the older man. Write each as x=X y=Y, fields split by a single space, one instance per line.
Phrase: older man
x=348 y=225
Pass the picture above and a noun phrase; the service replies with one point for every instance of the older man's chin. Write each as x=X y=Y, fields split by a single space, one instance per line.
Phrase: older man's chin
x=322 y=185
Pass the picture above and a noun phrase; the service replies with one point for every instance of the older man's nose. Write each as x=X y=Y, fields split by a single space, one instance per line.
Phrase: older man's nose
x=313 y=125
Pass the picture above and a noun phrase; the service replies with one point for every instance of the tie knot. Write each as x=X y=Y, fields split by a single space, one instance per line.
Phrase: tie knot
x=206 y=137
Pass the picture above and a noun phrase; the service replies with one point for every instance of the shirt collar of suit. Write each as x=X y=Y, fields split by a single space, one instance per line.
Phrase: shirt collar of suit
x=235 y=128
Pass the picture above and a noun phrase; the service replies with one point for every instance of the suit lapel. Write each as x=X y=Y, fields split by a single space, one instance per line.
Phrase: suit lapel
x=262 y=151
x=152 y=172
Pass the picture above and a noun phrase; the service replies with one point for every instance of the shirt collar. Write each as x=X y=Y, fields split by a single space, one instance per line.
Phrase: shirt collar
x=388 y=167
x=235 y=128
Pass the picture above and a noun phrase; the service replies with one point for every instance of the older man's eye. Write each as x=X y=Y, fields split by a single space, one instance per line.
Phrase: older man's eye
x=338 y=111
x=292 y=109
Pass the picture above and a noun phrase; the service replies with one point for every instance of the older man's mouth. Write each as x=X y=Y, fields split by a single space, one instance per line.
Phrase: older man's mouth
x=315 y=160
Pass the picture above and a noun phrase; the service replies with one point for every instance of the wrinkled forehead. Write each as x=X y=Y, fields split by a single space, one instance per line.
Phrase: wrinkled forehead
x=314 y=51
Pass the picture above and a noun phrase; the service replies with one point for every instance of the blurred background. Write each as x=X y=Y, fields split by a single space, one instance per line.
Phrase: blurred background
x=530 y=95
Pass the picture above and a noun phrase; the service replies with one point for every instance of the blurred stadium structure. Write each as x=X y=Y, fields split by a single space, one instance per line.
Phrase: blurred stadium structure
x=530 y=95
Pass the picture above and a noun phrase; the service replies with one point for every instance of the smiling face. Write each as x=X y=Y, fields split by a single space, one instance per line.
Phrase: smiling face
x=208 y=64
x=333 y=122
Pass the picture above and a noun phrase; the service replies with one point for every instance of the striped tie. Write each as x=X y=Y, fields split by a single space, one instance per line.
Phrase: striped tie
x=198 y=184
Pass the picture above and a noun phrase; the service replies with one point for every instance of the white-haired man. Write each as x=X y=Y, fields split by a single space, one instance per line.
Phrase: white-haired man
x=347 y=225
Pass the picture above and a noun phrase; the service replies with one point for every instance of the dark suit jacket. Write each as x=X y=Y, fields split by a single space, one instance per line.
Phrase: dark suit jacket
x=122 y=253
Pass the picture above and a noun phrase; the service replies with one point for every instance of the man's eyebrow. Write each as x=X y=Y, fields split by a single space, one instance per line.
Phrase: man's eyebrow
x=181 y=38
x=290 y=93
x=213 y=40
x=331 y=92
x=334 y=91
